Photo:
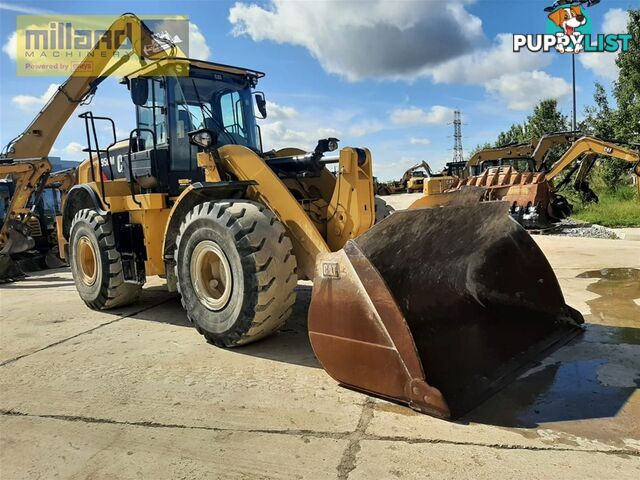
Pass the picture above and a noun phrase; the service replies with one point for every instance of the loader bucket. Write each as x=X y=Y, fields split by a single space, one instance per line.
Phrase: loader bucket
x=437 y=308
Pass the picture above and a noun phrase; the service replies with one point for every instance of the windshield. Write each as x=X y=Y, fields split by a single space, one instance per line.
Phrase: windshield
x=219 y=102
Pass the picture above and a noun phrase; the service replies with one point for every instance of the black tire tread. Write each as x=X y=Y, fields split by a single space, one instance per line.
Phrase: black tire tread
x=114 y=291
x=257 y=231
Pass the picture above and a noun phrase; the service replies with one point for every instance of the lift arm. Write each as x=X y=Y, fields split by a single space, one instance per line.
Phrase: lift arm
x=547 y=142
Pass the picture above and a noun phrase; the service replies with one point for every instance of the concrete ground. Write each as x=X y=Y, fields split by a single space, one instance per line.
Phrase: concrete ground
x=137 y=393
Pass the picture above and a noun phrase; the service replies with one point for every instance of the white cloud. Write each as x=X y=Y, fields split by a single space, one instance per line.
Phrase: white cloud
x=276 y=135
x=616 y=20
x=279 y=112
x=12 y=7
x=603 y=64
x=30 y=103
x=72 y=151
x=521 y=91
x=198 y=47
x=365 y=128
x=400 y=38
x=73 y=147
x=419 y=141
x=481 y=66
x=11 y=46
x=437 y=115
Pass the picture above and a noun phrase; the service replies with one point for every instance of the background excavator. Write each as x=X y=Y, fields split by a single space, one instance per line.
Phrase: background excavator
x=30 y=200
x=532 y=156
x=412 y=180
x=402 y=308
x=517 y=174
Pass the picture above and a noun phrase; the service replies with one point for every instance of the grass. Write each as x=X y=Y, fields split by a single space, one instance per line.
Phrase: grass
x=620 y=208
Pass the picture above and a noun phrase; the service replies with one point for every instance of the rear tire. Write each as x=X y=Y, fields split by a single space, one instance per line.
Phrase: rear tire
x=236 y=271
x=96 y=264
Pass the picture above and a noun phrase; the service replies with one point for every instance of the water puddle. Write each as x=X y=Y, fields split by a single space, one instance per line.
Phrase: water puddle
x=559 y=392
x=594 y=380
x=618 y=301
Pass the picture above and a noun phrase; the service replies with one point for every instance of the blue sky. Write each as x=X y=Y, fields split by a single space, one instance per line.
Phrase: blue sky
x=385 y=75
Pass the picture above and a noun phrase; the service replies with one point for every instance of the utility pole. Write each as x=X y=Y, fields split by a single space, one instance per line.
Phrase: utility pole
x=458 y=155
x=573 y=69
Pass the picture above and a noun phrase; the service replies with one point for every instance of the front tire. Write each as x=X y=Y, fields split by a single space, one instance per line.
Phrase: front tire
x=96 y=264
x=236 y=271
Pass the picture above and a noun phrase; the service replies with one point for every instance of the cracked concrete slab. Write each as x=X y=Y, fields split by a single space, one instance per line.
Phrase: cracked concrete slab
x=140 y=393
x=153 y=366
x=45 y=308
x=437 y=461
x=43 y=448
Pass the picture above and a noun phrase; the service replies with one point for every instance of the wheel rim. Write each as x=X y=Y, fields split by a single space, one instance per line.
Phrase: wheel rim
x=211 y=275
x=87 y=261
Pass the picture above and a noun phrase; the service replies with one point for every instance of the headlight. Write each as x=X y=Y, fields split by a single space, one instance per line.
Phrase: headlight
x=332 y=144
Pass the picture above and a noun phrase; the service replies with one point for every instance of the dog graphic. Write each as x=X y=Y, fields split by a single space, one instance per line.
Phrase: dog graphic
x=568 y=19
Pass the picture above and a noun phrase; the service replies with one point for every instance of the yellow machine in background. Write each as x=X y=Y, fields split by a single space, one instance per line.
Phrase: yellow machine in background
x=534 y=198
x=412 y=181
x=191 y=196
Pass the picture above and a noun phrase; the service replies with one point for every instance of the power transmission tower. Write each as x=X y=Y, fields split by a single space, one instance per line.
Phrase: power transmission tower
x=458 y=155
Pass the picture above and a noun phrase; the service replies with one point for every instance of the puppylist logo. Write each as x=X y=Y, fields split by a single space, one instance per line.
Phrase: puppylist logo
x=569 y=30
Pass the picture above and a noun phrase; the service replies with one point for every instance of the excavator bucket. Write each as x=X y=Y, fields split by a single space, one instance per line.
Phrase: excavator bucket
x=437 y=308
x=17 y=240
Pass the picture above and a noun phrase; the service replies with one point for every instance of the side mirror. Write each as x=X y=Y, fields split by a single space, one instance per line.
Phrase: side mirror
x=261 y=103
x=139 y=91
x=203 y=138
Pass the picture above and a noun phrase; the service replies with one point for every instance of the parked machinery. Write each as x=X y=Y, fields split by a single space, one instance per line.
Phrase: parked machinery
x=403 y=309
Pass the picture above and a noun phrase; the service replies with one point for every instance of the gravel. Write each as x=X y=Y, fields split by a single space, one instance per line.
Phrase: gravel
x=572 y=228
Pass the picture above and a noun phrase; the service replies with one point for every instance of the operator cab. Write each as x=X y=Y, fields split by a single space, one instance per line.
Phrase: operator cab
x=178 y=102
x=172 y=98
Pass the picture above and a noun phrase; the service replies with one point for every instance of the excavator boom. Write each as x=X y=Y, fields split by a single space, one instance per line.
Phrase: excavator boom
x=25 y=157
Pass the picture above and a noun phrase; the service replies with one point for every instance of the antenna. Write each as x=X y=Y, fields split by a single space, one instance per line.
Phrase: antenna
x=457 y=137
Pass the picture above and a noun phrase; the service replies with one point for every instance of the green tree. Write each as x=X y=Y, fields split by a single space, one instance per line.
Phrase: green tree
x=480 y=146
x=546 y=118
x=626 y=89
x=515 y=134
x=602 y=121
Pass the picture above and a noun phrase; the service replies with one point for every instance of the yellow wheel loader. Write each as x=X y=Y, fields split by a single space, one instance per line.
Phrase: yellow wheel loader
x=402 y=309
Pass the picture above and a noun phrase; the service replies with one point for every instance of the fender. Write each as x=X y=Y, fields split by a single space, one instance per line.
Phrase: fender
x=79 y=197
